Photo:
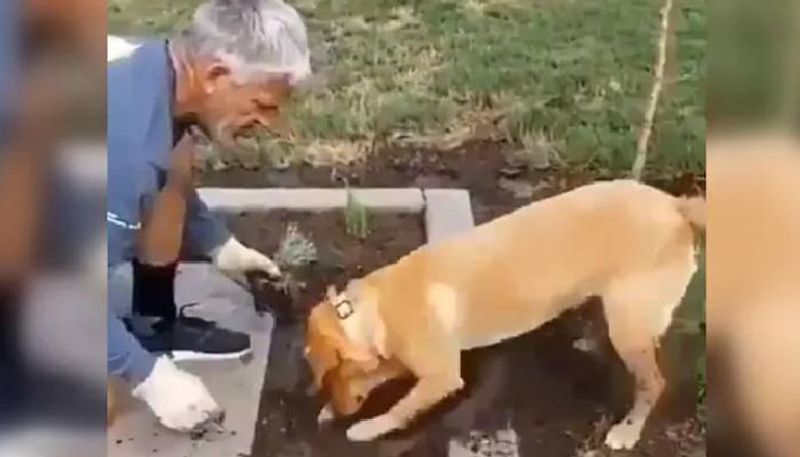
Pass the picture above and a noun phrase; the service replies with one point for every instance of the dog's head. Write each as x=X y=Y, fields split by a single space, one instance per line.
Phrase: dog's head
x=338 y=366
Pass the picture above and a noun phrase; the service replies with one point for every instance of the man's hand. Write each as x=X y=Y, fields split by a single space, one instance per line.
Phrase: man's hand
x=178 y=398
x=233 y=257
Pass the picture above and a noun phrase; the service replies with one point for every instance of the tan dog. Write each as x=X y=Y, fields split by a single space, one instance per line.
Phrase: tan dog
x=631 y=244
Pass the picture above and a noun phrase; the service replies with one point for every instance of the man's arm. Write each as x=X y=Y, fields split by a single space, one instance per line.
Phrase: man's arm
x=204 y=232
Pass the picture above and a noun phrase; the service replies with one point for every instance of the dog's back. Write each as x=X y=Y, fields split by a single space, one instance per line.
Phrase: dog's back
x=602 y=239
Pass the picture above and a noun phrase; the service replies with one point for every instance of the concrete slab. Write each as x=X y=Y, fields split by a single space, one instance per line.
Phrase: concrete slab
x=381 y=200
x=234 y=384
x=448 y=212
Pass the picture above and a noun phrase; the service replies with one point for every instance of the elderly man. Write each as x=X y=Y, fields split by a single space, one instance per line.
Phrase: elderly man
x=230 y=71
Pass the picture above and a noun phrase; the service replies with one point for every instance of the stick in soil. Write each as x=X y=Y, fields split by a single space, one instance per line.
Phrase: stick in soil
x=655 y=94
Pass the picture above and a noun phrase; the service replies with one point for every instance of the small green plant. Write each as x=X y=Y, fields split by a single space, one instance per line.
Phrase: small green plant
x=538 y=151
x=356 y=217
x=295 y=252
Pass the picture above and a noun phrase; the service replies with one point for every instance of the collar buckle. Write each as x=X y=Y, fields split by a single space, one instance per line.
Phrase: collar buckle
x=344 y=308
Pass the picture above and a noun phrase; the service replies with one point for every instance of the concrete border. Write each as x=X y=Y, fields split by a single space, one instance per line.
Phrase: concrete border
x=446 y=211
x=310 y=199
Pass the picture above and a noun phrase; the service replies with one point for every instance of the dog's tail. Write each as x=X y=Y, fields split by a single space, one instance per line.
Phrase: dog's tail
x=693 y=209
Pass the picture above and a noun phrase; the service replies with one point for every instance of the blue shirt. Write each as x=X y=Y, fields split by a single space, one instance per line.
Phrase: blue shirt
x=141 y=137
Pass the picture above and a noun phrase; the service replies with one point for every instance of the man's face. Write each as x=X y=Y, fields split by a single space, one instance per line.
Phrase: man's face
x=232 y=109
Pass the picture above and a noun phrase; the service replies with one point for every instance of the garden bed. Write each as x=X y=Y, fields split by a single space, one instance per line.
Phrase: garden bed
x=341 y=256
x=557 y=399
x=497 y=181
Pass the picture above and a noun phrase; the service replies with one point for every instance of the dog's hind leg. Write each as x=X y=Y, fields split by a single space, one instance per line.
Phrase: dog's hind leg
x=638 y=351
x=638 y=311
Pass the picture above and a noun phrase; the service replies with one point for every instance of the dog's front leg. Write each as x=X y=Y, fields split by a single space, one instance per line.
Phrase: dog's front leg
x=428 y=391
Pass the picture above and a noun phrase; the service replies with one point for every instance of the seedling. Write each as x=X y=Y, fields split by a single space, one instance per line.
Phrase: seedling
x=295 y=252
x=538 y=151
x=356 y=217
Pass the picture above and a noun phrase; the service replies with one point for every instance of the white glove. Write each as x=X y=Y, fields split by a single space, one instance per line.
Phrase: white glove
x=233 y=257
x=178 y=398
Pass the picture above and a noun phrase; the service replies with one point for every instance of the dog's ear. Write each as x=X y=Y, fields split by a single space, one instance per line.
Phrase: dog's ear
x=346 y=351
x=323 y=361
x=332 y=335
x=321 y=352
x=365 y=360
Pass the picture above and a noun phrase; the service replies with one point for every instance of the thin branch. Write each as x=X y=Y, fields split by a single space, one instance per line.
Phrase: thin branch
x=655 y=94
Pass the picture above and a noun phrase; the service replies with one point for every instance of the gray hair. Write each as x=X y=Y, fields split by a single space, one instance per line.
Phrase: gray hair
x=255 y=38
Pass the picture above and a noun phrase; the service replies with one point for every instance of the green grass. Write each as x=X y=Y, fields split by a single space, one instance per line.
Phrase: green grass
x=436 y=72
x=680 y=128
x=149 y=17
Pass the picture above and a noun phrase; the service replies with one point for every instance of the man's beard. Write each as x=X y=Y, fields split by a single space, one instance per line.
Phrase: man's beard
x=230 y=145
x=223 y=136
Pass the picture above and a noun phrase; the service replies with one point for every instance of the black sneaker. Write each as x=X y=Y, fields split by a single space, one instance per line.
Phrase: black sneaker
x=191 y=338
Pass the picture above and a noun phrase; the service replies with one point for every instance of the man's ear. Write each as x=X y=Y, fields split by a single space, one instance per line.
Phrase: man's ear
x=216 y=75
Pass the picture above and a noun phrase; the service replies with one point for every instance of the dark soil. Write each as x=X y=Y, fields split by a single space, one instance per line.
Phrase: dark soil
x=558 y=399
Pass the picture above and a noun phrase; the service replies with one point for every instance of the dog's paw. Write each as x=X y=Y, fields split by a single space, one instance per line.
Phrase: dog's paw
x=368 y=430
x=326 y=415
x=623 y=436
